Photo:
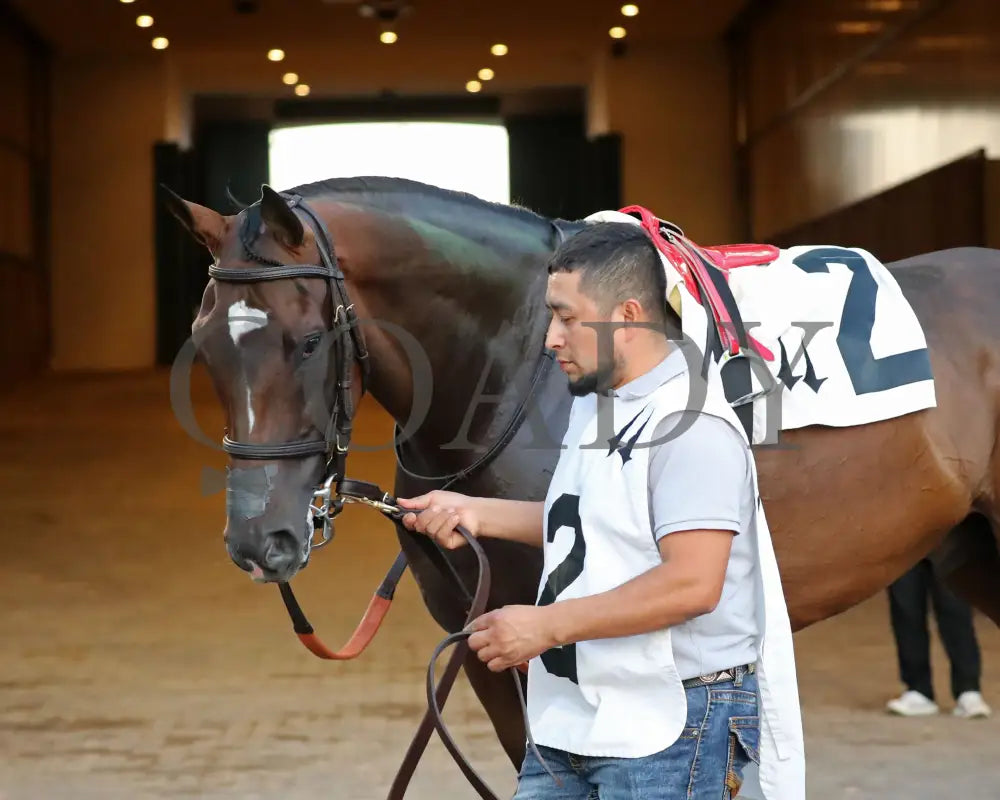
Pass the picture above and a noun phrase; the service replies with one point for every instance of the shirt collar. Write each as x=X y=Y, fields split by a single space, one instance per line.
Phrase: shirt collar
x=670 y=367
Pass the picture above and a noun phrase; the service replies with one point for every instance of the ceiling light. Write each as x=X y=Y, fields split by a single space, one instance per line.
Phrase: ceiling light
x=889 y=5
x=859 y=28
x=388 y=37
x=277 y=54
x=499 y=50
x=630 y=10
x=128 y=1
x=144 y=21
x=473 y=86
x=486 y=74
x=302 y=89
x=951 y=42
x=290 y=78
x=161 y=43
x=617 y=32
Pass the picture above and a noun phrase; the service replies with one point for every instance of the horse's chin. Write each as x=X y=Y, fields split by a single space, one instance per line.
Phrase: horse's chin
x=260 y=575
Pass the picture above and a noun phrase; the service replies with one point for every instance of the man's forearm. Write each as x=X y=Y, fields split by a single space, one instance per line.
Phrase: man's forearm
x=657 y=599
x=513 y=520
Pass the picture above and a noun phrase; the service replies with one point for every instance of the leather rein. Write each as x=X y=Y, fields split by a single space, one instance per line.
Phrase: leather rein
x=336 y=490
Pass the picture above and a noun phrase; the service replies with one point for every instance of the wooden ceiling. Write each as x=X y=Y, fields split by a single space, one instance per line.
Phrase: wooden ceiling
x=443 y=43
x=214 y=49
x=78 y=26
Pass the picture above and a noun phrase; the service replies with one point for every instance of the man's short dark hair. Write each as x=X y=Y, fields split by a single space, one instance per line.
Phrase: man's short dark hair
x=616 y=261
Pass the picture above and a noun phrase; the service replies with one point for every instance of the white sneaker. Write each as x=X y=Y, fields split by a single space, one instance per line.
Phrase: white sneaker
x=970 y=705
x=912 y=704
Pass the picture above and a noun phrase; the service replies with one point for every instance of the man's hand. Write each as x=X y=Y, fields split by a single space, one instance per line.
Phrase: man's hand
x=511 y=636
x=438 y=514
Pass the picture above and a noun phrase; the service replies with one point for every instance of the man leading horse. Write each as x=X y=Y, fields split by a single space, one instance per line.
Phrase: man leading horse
x=660 y=615
x=851 y=508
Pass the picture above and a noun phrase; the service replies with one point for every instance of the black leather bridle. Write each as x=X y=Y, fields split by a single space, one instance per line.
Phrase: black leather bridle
x=348 y=349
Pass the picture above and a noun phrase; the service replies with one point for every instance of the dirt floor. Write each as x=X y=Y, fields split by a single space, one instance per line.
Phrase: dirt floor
x=138 y=662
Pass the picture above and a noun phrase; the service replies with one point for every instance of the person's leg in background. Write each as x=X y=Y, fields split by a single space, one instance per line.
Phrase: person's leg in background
x=908 y=614
x=958 y=635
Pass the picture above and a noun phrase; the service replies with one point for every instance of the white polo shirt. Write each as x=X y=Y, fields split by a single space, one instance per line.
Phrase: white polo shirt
x=623 y=696
x=700 y=477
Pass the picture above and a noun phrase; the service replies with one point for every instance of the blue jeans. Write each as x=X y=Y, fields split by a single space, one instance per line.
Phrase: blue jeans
x=721 y=737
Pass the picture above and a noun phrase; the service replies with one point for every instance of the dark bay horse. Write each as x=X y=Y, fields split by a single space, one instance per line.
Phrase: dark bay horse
x=461 y=281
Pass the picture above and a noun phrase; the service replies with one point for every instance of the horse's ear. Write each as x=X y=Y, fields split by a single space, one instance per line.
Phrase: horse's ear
x=204 y=224
x=283 y=223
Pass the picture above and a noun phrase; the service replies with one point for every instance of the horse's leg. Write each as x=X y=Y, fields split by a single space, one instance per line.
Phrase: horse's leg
x=969 y=561
x=498 y=695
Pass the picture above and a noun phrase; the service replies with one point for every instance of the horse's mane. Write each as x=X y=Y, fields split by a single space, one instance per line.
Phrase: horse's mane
x=381 y=185
x=374 y=187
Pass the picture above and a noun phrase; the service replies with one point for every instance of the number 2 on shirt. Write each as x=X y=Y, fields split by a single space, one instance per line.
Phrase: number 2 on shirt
x=564 y=513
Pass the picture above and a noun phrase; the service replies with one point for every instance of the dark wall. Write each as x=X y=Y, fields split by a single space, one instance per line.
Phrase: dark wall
x=232 y=155
x=25 y=282
x=228 y=157
x=557 y=171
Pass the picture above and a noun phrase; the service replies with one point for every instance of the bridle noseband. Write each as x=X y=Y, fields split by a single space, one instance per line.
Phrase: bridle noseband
x=348 y=349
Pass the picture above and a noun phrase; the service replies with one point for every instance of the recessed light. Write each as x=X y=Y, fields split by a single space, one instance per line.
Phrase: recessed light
x=858 y=28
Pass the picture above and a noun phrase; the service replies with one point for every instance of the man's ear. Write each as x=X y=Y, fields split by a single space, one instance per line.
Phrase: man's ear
x=632 y=311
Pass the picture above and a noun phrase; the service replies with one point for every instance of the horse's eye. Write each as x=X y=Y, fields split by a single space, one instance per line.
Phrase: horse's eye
x=311 y=345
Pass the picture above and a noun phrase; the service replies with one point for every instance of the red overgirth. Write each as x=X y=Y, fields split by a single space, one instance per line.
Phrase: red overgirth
x=705 y=272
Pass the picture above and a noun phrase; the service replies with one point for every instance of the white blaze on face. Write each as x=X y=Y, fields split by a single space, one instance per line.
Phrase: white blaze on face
x=250 y=409
x=242 y=320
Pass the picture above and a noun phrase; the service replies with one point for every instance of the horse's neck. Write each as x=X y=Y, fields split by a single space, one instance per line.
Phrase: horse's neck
x=472 y=299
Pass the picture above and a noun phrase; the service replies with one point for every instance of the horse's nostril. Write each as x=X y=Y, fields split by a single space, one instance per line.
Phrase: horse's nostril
x=280 y=551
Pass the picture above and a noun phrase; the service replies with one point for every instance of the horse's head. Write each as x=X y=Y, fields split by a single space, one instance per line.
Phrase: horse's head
x=278 y=338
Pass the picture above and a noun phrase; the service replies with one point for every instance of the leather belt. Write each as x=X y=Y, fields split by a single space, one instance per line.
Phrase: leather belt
x=721 y=676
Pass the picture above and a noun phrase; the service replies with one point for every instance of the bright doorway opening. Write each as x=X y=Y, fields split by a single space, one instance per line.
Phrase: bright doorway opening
x=462 y=156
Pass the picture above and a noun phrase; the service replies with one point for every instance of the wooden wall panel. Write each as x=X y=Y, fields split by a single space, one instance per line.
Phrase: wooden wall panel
x=940 y=209
x=17 y=227
x=843 y=100
x=15 y=83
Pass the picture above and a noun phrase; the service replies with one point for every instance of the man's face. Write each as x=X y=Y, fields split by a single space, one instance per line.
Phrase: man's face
x=574 y=337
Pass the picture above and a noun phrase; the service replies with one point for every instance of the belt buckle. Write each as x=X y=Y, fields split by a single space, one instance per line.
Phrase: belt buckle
x=718 y=677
